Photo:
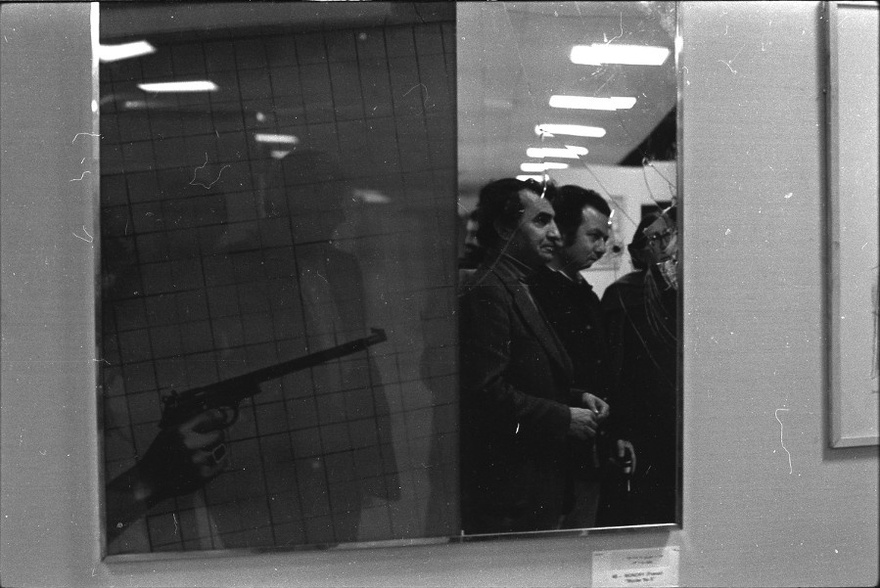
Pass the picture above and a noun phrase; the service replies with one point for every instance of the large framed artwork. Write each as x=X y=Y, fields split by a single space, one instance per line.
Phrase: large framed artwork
x=279 y=192
x=852 y=224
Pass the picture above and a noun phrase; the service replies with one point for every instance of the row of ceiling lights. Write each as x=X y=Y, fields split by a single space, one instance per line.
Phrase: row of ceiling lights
x=111 y=53
x=597 y=54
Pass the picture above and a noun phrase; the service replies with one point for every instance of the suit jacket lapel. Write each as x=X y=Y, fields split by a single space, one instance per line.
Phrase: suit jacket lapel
x=534 y=319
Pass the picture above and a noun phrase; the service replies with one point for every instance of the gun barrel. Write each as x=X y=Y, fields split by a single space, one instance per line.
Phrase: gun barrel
x=199 y=398
x=312 y=359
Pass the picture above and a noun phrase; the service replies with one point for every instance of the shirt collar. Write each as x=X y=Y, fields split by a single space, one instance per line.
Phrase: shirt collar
x=578 y=281
x=520 y=271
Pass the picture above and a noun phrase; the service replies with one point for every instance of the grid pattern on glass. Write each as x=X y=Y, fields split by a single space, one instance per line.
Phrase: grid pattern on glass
x=222 y=253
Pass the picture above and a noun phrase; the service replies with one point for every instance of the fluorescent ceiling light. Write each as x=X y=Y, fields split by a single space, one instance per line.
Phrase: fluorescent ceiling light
x=576 y=130
x=279 y=154
x=195 y=86
x=561 y=153
x=602 y=53
x=577 y=150
x=592 y=103
x=540 y=167
x=108 y=53
x=272 y=138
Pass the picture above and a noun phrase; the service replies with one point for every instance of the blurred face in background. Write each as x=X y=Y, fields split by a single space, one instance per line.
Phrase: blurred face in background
x=662 y=248
x=662 y=242
x=471 y=244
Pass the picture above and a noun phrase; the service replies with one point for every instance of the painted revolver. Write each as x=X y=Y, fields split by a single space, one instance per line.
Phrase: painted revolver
x=226 y=395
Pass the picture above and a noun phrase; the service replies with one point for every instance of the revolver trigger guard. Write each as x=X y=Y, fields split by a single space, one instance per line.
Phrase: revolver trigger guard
x=230 y=415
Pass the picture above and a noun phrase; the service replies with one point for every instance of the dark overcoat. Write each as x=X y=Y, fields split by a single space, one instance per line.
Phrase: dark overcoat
x=515 y=398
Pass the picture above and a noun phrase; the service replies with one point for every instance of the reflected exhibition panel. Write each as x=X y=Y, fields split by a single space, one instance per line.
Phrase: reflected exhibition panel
x=277 y=280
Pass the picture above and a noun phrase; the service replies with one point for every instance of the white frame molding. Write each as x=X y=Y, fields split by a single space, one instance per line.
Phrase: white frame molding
x=842 y=412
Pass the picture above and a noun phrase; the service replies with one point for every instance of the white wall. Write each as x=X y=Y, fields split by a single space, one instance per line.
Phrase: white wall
x=753 y=190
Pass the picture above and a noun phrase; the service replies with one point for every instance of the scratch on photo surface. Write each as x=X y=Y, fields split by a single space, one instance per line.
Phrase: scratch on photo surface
x=424 y=87
x=79 y=179
x=88 y=238
x=193 y=182
x=727 y=63
x=781 y=441
x=89 y=134
x=612 y=39
x=416 y=86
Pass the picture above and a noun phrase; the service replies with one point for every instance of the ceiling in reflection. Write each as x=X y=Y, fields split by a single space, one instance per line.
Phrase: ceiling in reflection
x=513 y=56
x=136 y=41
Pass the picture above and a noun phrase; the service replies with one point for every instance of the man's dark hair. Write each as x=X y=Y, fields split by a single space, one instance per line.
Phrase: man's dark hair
x=568 y=205
x=499 y=201
x=639 y=240
x=637 y=245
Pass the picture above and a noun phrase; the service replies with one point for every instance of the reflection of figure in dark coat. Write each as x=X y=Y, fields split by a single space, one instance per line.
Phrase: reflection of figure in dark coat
x=573 y=310
x=326 y=450
x=353 y=413
x=518 y=409
x=345 y=455
x=515 y=384
x=641 y=318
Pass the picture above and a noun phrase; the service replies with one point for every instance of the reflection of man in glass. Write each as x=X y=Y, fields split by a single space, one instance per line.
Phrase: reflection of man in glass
x=574 y=311
x=336 y=456
x=345 y=455
x=518 y=409
x=640 y=311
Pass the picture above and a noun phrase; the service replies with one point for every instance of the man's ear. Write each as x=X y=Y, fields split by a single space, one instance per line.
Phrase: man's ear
x=503 y=230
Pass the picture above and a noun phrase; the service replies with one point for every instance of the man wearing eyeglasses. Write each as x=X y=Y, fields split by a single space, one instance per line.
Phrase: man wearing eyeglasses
x=640 y=312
